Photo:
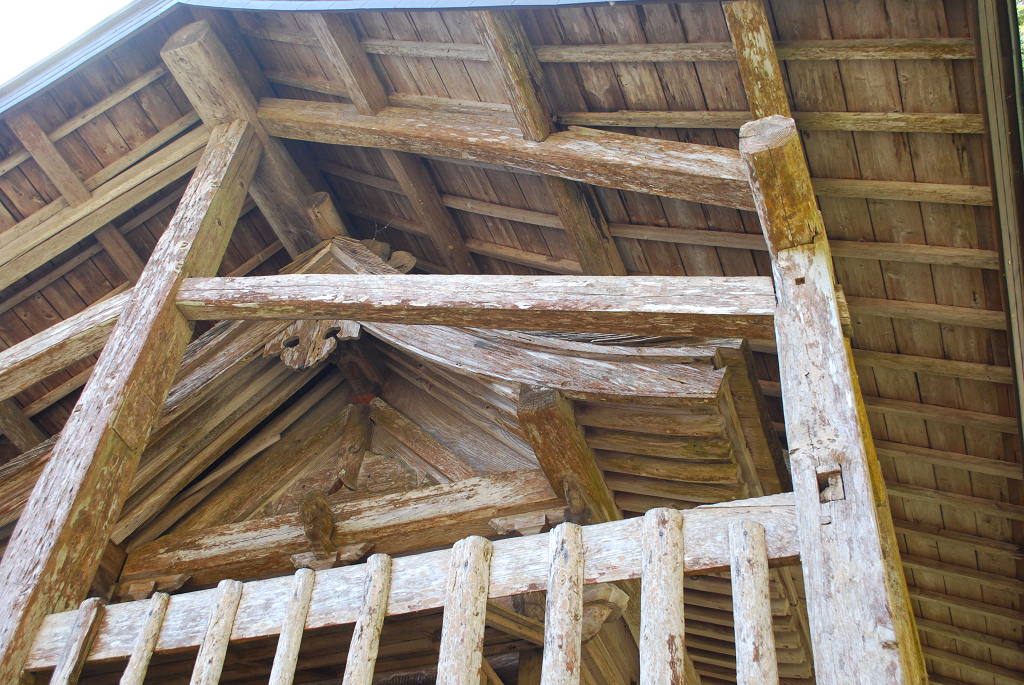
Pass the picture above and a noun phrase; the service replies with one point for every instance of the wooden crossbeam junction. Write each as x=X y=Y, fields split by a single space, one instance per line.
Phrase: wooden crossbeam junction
x=611 y=552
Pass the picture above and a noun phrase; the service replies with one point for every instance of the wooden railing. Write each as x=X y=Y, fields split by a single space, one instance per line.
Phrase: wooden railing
x=743 y=537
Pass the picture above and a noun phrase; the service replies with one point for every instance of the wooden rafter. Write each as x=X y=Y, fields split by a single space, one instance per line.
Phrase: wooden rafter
x=205 y=71
x=578 y=211
x=38 y=144
x=339 y=41
x=78 y=497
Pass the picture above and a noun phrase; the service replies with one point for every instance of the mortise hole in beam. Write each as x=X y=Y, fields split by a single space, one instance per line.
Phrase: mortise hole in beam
x=800 y=281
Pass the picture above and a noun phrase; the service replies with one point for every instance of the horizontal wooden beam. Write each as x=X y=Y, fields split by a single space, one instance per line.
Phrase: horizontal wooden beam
x=894 y=252
x=699 y=173
x=885 y=48
x=76 y=337
x=693 y=306
x=892 y=122
x=979 y=505
x=88 y=114
x=612 y=553
x=394 y=523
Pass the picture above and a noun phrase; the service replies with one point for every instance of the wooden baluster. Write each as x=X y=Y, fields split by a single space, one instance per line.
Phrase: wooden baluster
x=362 y=650
x=751 y=606
x=563 y=616
x=138 y=664
x=72 y=659
x=465 y=610
x=662 y=654
x=283 y=671
x=210 y=660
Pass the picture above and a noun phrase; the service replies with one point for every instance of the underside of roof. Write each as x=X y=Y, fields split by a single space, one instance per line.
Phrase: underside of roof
x=419 y=436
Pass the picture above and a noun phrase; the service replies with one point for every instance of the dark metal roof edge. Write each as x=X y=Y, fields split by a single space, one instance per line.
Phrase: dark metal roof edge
x=98 y=39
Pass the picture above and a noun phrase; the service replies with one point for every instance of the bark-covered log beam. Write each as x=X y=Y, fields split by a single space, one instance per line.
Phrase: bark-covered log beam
x=739 y=307
x=700 y=173
x=77 y=499
x=393 y=523
x=612 y=553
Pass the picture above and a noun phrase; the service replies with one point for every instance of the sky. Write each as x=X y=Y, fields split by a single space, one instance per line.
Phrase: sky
x=35 y=29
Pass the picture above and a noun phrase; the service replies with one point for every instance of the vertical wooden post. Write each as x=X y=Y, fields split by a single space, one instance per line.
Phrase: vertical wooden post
x=72 y=658
x=290 y=639
x=858 y=606
x=138 y=664
x=362 y=649
x=63 y=530
x=210 y=660
x=662 y=653
x=465 y=612
x=563 y=615
x=751 y=605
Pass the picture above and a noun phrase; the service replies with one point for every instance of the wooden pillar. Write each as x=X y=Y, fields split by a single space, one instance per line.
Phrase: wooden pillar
x=858 y=606
x=520 y=72
x=203 y=68
x=63 y=530
x=662 y=624
x=365 y=642
x=862 y=631
x=338 y=39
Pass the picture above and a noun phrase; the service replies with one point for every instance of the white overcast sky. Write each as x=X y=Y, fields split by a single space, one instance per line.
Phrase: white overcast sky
x=35 y=29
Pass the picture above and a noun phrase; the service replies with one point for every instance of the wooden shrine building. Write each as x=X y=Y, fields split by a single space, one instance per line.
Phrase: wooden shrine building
x=547 y=342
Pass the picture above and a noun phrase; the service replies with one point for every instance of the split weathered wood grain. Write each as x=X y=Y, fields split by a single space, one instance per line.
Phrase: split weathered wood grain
x=96 y=456
x=145 y=644
x=686 y=171
x=692 y=306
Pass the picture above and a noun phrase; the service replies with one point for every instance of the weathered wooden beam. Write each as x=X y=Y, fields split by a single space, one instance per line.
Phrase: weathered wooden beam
x=840 y=493
x=120 y=252
x=42 y=236
x=699 y=173
x=206 y=72
x=443 y=460
x=612 y=552
x=796 y=50
x=57 y=169
x=78 y=496
x=691 y=306
x=550 y=426
x=393 y=523
x=563 y=615
x=18 y=428
x=338 y=39
x=76 y=337
x=460 y=657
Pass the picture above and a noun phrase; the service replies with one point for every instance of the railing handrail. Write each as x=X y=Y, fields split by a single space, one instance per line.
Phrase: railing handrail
x=612 y=553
